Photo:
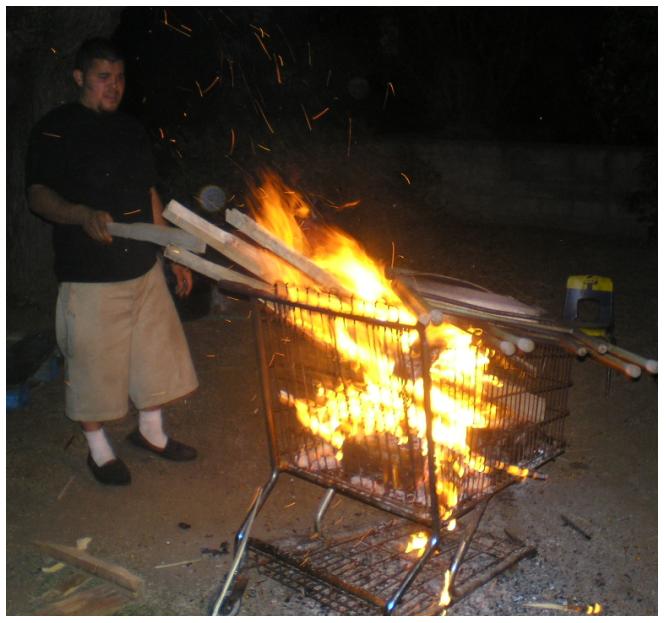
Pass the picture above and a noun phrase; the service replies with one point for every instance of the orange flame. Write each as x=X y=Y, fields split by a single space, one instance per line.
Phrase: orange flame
x=417 y=543
x=379 y=403
x=383 y=401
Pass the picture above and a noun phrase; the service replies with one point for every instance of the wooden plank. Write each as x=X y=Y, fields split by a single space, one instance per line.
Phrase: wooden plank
x=267 y=240
x=158 y=234
x=213 y=270
x=100 y=600
x=524 y=343
x=650 y=365
x=248 y=256
x=96 y=566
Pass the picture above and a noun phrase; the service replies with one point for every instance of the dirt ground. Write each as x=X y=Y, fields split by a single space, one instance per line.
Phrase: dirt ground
x=605 y=482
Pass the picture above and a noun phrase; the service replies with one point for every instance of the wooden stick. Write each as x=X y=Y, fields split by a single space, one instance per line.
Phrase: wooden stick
x=593 y=343
x=180 y=563
x=158 y=234
x=491 y=336
x=267 y=240
x=629 y=369
x=568 y=344
x=650 y=365
x=248 y=256
x=524 y=343
x=78 y=558
x=212 y=270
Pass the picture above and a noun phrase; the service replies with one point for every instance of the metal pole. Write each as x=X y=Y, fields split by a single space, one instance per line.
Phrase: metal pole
x=323 y=507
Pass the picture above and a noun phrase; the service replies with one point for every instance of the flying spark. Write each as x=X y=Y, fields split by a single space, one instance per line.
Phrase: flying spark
x=278 y=75
x=261 y=31
x=178 y=30
x=307 y=119
x=261 y=110
x=319 y=115
x=233 y=141
x=263 y=47
x=211 y=85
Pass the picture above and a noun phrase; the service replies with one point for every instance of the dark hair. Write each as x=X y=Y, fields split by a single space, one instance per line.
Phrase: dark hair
x=97 y=48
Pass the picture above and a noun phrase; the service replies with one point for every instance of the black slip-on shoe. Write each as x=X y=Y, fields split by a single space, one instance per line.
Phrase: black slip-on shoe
x=174 y=450
x=113 y=472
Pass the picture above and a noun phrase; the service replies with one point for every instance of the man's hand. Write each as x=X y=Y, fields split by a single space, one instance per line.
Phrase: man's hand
x=183 y=279
x=94 y=224
x=50 y=205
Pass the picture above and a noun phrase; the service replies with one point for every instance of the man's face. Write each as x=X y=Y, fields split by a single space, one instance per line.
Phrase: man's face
x=102 y=85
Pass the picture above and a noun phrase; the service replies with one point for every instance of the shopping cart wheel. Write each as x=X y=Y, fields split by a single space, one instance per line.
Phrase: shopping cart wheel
x=232 y=602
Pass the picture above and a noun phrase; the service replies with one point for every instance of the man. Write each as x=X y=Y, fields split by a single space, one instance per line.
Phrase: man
x=116 y=324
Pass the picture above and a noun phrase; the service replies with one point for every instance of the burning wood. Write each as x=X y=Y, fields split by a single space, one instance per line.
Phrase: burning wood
x=381 y=391
x=262 y=236
x=417 y=398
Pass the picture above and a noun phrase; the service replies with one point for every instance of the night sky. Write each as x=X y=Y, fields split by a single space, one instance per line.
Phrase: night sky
x=556 y=74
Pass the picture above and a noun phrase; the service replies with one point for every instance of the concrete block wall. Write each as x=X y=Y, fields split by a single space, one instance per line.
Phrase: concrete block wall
x=572 y=187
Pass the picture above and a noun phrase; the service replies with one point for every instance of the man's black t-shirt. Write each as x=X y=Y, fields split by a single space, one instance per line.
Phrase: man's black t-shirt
x=104 y=161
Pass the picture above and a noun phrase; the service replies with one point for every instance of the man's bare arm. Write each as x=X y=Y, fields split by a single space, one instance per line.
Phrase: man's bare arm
x=50 y=205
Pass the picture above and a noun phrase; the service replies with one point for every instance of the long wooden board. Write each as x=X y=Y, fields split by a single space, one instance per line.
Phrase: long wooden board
x=248 y=256
x=158 y=234
x=267 y=240
x=213 y=270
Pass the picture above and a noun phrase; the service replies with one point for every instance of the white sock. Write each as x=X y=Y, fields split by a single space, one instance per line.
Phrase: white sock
x=100 y=450
x=150 y=426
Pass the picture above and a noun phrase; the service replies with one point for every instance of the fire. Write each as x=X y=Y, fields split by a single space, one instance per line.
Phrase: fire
x=417 y=543
x=445 y=598
x=286 y=214
x=379 y=399
x=379 y=403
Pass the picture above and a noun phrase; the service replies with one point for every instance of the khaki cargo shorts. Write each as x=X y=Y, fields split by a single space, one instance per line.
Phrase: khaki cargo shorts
x=121 y=340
